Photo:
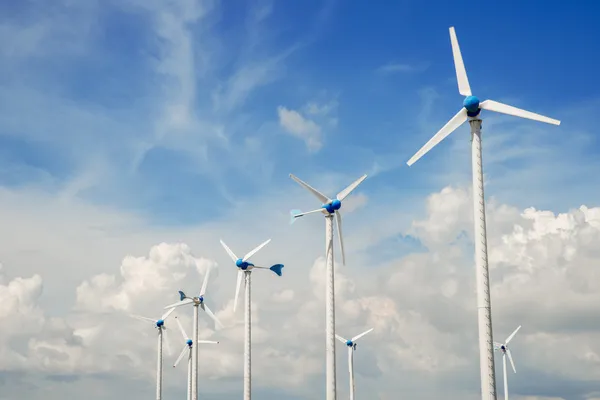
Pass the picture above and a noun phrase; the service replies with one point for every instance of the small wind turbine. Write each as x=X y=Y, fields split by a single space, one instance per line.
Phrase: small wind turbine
x=197 y=302
x=189 y=343
x=160 y=326
x=245 y=269
x=329 y=208
x=351 y=344
x=503 y=347
x=470 y=111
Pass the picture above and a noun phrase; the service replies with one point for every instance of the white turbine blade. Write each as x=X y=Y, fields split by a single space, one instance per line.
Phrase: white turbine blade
x=302 y=214
x=166 y=315
x=205 y=283
x=142 y=318
x=181 y=355
x=228 y=250
x=341 y=339
x=492 y=105
x=497 y=345
x=180 y=303
x=185 y=336
x=512 y=335
x=237 y=288
x=355 y=338
x=459 y=65
x=322 y=198
x=344 y=193
x=207 y=342
x=512 y=364
x=447 y=129
x=255 y=250
x=338 y=217
x=211 y=315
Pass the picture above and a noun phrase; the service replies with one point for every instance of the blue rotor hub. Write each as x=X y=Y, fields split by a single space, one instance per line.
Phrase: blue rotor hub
x=471 y=104
x=189 y=342
x=349 y=343
x=333 y=206
x=160 y=323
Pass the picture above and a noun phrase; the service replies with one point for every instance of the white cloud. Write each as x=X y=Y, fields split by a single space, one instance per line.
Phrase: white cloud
x=392 y=68
x=303 y=128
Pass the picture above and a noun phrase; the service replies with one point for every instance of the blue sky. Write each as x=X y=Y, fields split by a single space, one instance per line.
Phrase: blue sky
x=85 y=97
x=126 y=123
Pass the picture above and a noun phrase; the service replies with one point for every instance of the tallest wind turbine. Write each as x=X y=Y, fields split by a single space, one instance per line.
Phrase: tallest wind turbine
x=330 y=207
x=470 y=111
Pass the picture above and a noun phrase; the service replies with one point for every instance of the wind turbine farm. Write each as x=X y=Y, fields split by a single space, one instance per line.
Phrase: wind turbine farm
x=156 y=156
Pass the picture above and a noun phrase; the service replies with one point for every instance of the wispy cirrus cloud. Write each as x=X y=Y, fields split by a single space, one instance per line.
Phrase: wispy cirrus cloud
x=395 y=67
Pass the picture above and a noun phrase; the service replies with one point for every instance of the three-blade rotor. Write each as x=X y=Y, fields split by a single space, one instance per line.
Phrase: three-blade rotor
x=352 y=342
x=471 y=105
x=158 y=323
x=506 y=350
x=199 y=301
x=330 y=206
x=188 y=343
x=244 y=265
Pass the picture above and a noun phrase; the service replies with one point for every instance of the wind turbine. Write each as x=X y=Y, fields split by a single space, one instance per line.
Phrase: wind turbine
x=329 y=208
x=197 y=302
x=351 y=344
x=189 y=343
x=503 y=347
x=245 y=269
x=470 y=111
x=160 y=325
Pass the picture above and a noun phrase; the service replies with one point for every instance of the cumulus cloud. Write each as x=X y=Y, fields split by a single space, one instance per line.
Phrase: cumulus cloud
x=420 y=304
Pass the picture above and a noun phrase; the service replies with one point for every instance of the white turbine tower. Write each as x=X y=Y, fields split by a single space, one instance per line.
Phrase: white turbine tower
x=351 y=344
x=329 y=208
x=197 y=302
x=244 y=270
x=189 y=343
x=470 y=111
x=160 y=325
x=503 y=347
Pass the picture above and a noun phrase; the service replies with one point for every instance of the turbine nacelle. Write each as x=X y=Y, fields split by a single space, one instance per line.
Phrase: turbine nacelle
x=243 y=265
x=332 y=206
x=471 y=104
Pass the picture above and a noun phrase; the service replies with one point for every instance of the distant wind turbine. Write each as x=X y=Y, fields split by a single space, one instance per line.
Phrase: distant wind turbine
x=160 y=325
x=196 y=302
x=329 y=208
x=189 y=344
x=503 y=347
x=351 y=344
x=244 y=270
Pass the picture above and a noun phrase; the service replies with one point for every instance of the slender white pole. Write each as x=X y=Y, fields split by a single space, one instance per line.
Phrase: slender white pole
x=247 y=341
x=330 y=311
x=189 y=375
x=351 y=367
x=195 y=355
x=505 y=377
x=159 y=366
x=484 y=315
